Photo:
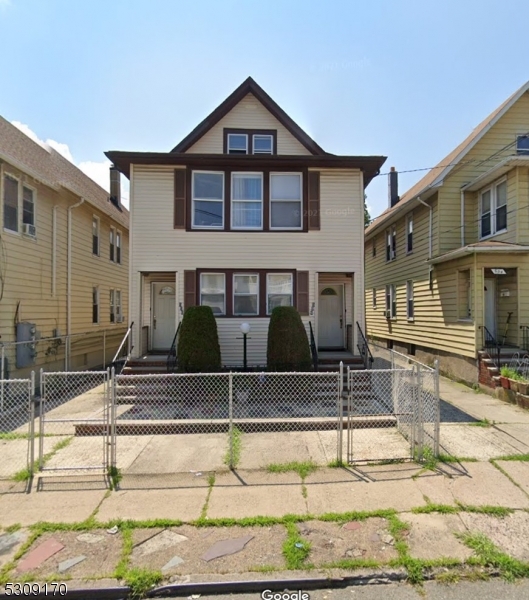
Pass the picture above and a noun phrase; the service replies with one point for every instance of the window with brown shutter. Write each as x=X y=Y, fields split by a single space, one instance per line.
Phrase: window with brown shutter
x=180 y=199
x=303 y=292
x=314 y=200
x=190 y=289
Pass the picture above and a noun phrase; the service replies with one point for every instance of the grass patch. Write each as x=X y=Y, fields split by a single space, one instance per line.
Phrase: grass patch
x=304 y=492
x=491 y=556
x=520 y=457
x=337 y=464
x=481 y=423
x=12 y=435
x=445 y=509
x=296 y=550
x=13 y=528
x=114 y=476
x=356 y=515
x=141 y=581
x=301 y=468
x=495 y=511
x=353 y=563
x=24 y=474
x=233 y=453
x=211 y=483
x=448 y=458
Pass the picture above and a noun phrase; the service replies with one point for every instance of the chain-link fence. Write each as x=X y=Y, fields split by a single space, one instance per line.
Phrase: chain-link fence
x=392 y=414
x=16 y=427
x=73 y=429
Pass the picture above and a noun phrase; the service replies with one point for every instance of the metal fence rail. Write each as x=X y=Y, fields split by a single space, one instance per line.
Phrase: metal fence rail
x=74 y=421
x=16 y=426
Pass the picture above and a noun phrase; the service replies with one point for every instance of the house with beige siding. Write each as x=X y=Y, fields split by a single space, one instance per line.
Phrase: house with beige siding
x=447 y=264
x=246 y=213
x=63 y=261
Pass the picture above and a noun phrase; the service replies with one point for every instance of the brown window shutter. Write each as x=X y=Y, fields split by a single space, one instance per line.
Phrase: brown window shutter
x=179 y=198
x=190 y=289
x=314 y=200
x=302 y=292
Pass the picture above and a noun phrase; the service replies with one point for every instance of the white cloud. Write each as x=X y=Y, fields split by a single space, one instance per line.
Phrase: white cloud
x=97 y=171
x=5 y=3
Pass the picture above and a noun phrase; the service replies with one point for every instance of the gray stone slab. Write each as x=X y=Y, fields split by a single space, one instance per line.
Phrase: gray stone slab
x=90 y=538
x=485 y=485
x=226 y=547
x=477 y=590
x=518 y=470
x=164 y=539
x=481 y=443
x=65 y=565
x=174 y=562
x=432 y=536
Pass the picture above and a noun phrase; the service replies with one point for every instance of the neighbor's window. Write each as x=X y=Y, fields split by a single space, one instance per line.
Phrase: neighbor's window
x=285 y=201
x=10 y=203
x=95 y=305
x=208 y=200
x=247 y=200
x=374 y=247
x=279 y=290
x=464 y=294
x=374 y=297
x=409 y=233
x=213 y=292
x=119 y=317
x=263 y=144
x=391 y=243
x=237 y=143
x=522 y=144
x=391 y=301
x=118 y=247
x=493 y=209
x=112 y=243
x=246 y=294
x=95 y=236
x=28 y=206
x=409 y=300
x=112 y=306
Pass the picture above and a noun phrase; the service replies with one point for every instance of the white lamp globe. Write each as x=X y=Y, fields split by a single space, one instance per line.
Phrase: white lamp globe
x=245 y=328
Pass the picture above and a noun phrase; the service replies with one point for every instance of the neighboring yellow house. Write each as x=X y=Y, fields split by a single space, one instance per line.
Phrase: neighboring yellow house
x=63 y=261
x=447 y=264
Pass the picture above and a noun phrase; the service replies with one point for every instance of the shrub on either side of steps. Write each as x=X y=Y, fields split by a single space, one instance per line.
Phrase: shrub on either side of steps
x=198 y=342
x=288 y=345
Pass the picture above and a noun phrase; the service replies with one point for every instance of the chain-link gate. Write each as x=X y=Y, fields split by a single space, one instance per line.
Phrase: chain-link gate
x=16 y=427
x=392 y=414
x=74 y=421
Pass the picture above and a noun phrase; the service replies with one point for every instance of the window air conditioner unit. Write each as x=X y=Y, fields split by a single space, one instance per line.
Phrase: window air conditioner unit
x=388 y=314
x=28 y=229
x=119 y=319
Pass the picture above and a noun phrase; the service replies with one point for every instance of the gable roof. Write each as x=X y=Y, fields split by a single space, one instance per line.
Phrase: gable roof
x=435 y=176
x=249 y=86
x=51 y=168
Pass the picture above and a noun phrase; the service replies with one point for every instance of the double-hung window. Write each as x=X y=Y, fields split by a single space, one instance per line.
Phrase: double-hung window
x=522 y=144
x=493 y=209
x=374 y=297
x=237 y=143
x=28 y=206
x=285 y=201
x=213 y=292
x=247 y=200
x=95 y=236
x=208 y=200
x=112 y=243
x=10 y=203
x=279 y=290
x=112 y=306
x=263 y=144
x=95 y=305
x=245 y=294
x=118 y=247
x=409 y=234
x=119 y=317
x=391 y=243
x=391 y=301
x=409 y=300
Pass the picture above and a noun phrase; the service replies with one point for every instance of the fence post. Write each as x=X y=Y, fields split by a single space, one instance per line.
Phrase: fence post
x=437 y=408
x=32 y=426
x=113 y=463
x=230 y=412
x=339 y=453
x=420 y=417
x=2 y=377
x=67 y=354
x=42 y=405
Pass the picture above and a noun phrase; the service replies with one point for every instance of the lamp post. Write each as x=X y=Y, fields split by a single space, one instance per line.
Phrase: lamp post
x=245 y=330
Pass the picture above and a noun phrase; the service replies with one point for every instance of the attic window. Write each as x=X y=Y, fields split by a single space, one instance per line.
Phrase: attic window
x=237 y=143
x=522 y=144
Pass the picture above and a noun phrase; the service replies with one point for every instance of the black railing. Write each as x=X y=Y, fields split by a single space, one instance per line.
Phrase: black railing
x=363 y=348
x=313 y=348
x=525 y=337
x=172 y=359
x=491 y=345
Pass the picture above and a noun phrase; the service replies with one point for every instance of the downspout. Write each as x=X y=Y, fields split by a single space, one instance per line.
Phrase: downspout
x=462 y=218
x=54 y=252
x=69 y=281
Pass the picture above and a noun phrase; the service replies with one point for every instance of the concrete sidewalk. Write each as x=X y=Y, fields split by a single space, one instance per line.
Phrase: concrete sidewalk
x=336 y=510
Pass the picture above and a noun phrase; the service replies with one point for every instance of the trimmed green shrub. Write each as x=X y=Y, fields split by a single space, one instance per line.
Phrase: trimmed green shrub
x=288 y=345
x=198 y=342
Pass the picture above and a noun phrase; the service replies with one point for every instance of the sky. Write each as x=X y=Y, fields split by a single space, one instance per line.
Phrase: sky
x=406 y=79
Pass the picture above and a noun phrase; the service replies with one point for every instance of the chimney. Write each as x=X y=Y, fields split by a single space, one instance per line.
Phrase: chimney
x=115 y=187
x=393 y=187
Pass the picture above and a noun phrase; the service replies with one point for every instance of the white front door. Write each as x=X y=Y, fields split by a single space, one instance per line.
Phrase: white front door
x=490 y=306
x=330 y=317
x=163 y=315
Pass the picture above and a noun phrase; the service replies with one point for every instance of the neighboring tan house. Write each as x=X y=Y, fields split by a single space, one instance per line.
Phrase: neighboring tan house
x=63 y=261
x=448 y=262
x=245 y=214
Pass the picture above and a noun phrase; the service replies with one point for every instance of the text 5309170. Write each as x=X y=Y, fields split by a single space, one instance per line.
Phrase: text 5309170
x=26 y=590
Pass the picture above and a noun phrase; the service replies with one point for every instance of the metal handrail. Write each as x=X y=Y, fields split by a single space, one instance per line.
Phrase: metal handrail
x=490 y=343
x=313 y=348
x=172 y=358
x=363 y=348
x=125 y=338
